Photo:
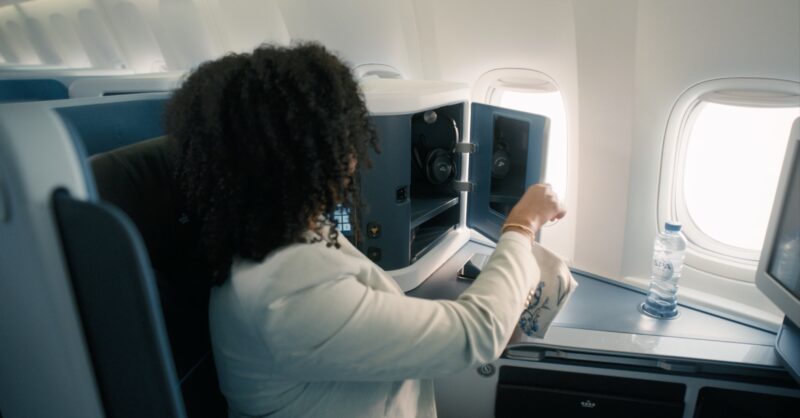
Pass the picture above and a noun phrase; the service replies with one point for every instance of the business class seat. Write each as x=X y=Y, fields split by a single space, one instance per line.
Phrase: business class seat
x=30 y=85
x=132 y=258
x=139 y=180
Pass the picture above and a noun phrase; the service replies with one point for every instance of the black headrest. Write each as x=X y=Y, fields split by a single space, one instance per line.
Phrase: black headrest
x=139 y=180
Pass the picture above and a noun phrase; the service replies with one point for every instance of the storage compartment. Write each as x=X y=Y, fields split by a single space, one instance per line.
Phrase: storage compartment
x=412 y=191
x=427 y=234
x=525 y=392
x=434 y=167
x=716 y=402
x=410 y=200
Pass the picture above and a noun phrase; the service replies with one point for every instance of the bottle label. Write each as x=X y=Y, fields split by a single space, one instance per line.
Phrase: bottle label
x=662 y=268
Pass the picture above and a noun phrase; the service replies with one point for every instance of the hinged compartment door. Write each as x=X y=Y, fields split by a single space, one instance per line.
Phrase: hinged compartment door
x=511 y=155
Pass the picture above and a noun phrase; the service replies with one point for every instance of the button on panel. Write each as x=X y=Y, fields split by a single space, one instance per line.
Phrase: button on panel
x=373 y=230
x=374 y=254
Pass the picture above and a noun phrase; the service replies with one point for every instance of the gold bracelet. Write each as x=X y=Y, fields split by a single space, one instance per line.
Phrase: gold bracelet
x=520 y=226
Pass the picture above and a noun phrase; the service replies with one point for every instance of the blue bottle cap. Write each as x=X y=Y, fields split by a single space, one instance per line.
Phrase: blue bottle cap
x=672 y=226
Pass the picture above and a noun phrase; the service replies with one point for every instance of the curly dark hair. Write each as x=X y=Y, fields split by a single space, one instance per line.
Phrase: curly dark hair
x=266 y=142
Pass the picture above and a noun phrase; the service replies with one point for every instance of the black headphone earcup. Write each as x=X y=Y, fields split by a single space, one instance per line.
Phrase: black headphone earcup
x=501 y=164
x=439 y=166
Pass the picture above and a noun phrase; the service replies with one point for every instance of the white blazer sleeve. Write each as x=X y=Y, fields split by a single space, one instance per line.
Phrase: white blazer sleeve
x=344 y=330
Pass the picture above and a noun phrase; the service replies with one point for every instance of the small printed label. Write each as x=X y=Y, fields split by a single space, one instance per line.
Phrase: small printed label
x=662 y=268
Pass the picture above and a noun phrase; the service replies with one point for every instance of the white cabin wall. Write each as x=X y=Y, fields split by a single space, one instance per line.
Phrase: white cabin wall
x=606 y=40
x=15 y=28
x=19 y=48
x=460 y=41
x=679 y=44
x=134 y=32
x=360 y=31
x=245 y=24
x=69 y=33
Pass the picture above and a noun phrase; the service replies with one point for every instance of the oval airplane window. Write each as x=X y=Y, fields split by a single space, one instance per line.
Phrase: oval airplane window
x=533 y=92
x=725 y=144
x=732 y=150
x=376 y=71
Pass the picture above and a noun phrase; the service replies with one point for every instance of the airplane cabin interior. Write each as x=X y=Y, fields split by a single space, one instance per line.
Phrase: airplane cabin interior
x=641 y=114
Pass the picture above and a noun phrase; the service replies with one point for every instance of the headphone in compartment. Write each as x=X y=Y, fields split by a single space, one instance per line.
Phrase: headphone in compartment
x=436 y=163
x=501 y=160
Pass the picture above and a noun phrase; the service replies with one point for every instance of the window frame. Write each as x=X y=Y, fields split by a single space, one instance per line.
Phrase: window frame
x=523 y=80
x=370 y=70
x=490 y=85
x=703 y=251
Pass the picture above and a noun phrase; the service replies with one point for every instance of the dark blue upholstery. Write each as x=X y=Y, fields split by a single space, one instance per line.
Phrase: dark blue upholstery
x=31 y=90
x=106 y=126
x=135 y=176
x=139 y=180
x=118 y=304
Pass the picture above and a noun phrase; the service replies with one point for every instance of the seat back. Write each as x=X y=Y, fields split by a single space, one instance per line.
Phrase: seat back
x=117 y=302
x=57 y=84
x=30 y=84
x=138 y=179
x=132 y=172
x=103 y=127
x=29 y=90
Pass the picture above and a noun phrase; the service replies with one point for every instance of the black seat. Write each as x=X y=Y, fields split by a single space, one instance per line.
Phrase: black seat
x=138 y=179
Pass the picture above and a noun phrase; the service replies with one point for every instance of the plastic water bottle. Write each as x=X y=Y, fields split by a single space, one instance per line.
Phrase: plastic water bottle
x=669 y=251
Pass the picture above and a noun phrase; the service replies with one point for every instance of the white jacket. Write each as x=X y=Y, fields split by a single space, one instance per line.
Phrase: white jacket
x=313 y=331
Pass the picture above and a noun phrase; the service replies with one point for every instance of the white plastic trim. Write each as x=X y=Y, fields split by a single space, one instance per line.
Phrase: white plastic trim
x=397 y=97
x=703 y=252
x=36 y=148
x=97 y=87
x=63 y=74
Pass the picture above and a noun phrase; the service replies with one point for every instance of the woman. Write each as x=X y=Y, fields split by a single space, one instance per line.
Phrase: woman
x=302 y=323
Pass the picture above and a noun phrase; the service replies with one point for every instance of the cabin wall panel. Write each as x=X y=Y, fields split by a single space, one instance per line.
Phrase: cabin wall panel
x=244 y=24
x=361 y=31
x=606 y=33
x=679 y=44
x=13 y=33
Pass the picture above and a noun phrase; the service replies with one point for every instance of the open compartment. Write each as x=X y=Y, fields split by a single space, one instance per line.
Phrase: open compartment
x=425 y=235
x=413 y=190
x=410 y=200
x=434 y=167
x=510 y=156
